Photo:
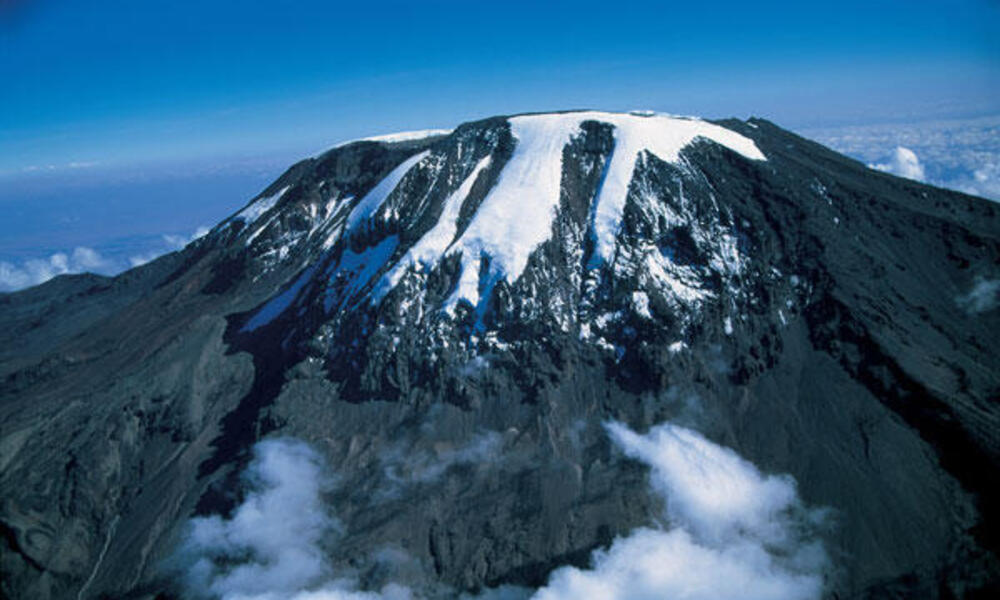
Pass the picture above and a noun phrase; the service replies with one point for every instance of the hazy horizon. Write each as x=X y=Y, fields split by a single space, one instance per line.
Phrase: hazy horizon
x=125 y=128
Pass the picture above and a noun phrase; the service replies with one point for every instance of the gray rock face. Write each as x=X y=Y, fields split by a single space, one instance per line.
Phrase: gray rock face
x=450 y=320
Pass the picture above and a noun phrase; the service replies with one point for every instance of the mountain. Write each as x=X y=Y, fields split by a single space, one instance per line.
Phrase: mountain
x=517 y=355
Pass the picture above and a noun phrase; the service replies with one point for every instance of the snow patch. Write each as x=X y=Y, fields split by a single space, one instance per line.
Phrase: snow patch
x=407 y=136
x=259 y=231
x=640 y=303
x=355 y=269
x=676 y=281
x=400 y=136
x=378 y=194
x=432 y=246
x=661 y=135
x=279 y=303
x=516 y=216
x=258 y=207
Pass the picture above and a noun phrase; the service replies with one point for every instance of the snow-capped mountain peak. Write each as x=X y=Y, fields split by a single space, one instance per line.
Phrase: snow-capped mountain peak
x=452 y=322
x=490 y=194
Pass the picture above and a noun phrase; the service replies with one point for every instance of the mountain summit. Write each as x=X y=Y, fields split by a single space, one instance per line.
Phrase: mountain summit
x=505 y=357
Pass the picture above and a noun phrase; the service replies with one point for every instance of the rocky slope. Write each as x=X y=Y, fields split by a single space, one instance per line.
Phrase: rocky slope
x=451 y=318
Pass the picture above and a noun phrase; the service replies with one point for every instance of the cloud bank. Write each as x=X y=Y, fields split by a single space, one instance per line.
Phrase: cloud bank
x=961 y=154
x=39 y=270
x=83 y=259
x=728 y=531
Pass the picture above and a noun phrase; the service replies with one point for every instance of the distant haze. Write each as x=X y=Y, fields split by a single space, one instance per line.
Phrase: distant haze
x=122 y=122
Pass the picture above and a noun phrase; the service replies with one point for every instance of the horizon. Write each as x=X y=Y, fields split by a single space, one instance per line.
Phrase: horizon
x=124 y=125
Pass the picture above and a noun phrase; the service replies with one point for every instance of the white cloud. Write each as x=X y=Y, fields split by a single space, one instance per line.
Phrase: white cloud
x=84 y=259
x=138 y=260
x=270 y=549
x=39 y=270
x=334 y=592
x=406 y=465
x=177 y=242
x=984 y=296
x=961 y=154
x=171 y=243
x=730 y=531
x=903 y=162
x=88 y=259
x=276 y=530
x=985 y=181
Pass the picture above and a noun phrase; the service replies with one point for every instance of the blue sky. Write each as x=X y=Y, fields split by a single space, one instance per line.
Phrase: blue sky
x=127 y=88
x=114 y=81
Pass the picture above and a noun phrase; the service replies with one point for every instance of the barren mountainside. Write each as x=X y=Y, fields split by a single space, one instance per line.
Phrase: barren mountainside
x=493 y=345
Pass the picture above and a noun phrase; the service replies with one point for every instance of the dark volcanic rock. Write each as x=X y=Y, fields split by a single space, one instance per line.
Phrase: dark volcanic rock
x=809 y=309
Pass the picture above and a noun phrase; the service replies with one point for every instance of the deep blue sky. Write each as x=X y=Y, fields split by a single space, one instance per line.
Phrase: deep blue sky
x=124 y=120
x=110 y=81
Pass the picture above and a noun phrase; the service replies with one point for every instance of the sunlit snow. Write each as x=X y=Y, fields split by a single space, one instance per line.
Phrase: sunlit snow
x=517 y=215
x=374 y=199
x=661 y=135
x=399 y=136
x=406 y=136
x=260 y=206
x=432 y=246
x=355 y=269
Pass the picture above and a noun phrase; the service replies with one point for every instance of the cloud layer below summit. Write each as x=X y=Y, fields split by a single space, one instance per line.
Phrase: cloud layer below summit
x=727 y=530
x=962 y=155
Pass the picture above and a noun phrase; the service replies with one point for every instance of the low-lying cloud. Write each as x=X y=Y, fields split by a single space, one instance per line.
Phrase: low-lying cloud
x=731 y=531
x=171 y=242
x=83 y=259
x=903 y=162
x=404 y=465
x=983 y=297
x=39 y=270
x=961 y=154
x=728 y=530
x=270 y=545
